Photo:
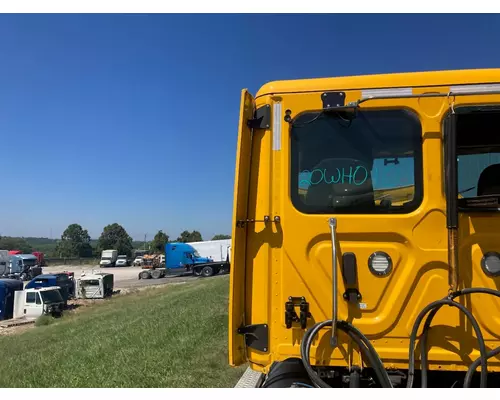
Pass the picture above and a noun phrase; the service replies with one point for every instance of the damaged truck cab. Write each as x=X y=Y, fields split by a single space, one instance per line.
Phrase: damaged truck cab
x=365 y=227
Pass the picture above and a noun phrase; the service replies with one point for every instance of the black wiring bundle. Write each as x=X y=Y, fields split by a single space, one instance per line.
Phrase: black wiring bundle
x=374 y=360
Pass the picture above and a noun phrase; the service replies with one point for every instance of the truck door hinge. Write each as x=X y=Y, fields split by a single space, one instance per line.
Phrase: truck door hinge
x=242 y=222
x=291 y=315
x=256 y=336
x=261 y=118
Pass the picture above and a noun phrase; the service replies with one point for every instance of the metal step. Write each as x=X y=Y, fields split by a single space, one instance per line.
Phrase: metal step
x=250 y=379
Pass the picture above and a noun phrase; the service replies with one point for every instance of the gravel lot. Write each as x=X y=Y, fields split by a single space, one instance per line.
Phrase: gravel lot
x=124 y=277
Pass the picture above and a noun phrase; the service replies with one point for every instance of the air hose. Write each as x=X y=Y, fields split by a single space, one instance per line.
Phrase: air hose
x=363 y=343
x=426 y=328
x=435 y=306
x=374 y=360
x=475 y=364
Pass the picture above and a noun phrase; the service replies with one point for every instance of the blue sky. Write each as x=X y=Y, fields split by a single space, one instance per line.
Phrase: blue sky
x=133 y=118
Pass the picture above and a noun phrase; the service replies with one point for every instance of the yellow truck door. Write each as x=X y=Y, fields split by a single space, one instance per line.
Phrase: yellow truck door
x=240 y=211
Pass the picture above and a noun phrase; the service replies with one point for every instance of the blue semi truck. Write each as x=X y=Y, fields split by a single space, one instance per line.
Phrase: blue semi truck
x=7 y=289
x=63 y=280
x=182 y=258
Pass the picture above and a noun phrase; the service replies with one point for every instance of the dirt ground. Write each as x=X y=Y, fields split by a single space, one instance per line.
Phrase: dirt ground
x=124 y=277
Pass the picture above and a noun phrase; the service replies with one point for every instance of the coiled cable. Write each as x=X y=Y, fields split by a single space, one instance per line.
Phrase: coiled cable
x=376 y=363
x=428 y=321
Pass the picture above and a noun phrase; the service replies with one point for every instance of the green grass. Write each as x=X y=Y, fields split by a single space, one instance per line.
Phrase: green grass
x=172 y=336
x=43 y=320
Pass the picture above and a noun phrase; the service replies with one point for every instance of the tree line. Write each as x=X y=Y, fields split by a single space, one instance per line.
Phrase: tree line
x=76 y=242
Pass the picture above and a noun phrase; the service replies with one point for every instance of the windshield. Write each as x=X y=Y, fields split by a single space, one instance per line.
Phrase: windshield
x=51 y=296
x=122 y=257
x=106 y=258
x=369 y=163
x=29 y=263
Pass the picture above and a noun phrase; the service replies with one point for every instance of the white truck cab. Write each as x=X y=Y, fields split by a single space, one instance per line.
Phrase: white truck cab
x=122 y=261
x=138 y=261
x=32 y=303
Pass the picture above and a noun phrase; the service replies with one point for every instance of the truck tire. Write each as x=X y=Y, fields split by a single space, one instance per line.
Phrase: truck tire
x=145 y=275
x=156 y=274
x=196 y=272
x=286 y=374
x=207 y=271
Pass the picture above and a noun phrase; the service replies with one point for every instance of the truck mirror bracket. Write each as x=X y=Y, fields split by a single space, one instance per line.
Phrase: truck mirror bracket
x=261 y=119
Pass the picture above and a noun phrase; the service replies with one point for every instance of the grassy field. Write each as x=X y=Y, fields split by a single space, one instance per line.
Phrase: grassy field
x=171 y=336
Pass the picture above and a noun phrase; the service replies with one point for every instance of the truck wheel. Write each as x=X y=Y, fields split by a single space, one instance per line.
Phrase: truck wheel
x=196 y=272
x=145 y=275
x=207 y=271
x=155 y=274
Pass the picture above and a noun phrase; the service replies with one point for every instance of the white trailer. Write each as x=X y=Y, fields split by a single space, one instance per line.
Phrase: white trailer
x=217 y=250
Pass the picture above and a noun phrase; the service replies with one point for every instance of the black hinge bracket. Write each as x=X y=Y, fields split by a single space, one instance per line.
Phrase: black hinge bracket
x=333 y=100
x=242 y=222
x=256 y=336
x=261 y=118
x=352 y=295
x=291 y=315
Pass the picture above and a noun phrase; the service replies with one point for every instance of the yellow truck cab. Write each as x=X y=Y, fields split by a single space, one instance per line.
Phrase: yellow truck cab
x=366 y=247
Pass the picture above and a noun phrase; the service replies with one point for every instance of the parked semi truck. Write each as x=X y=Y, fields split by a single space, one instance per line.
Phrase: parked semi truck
x=108 y=258
x=4 y=262
x=181 y=258
x=7 y=289
x=40 y=258
x=19 y=266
